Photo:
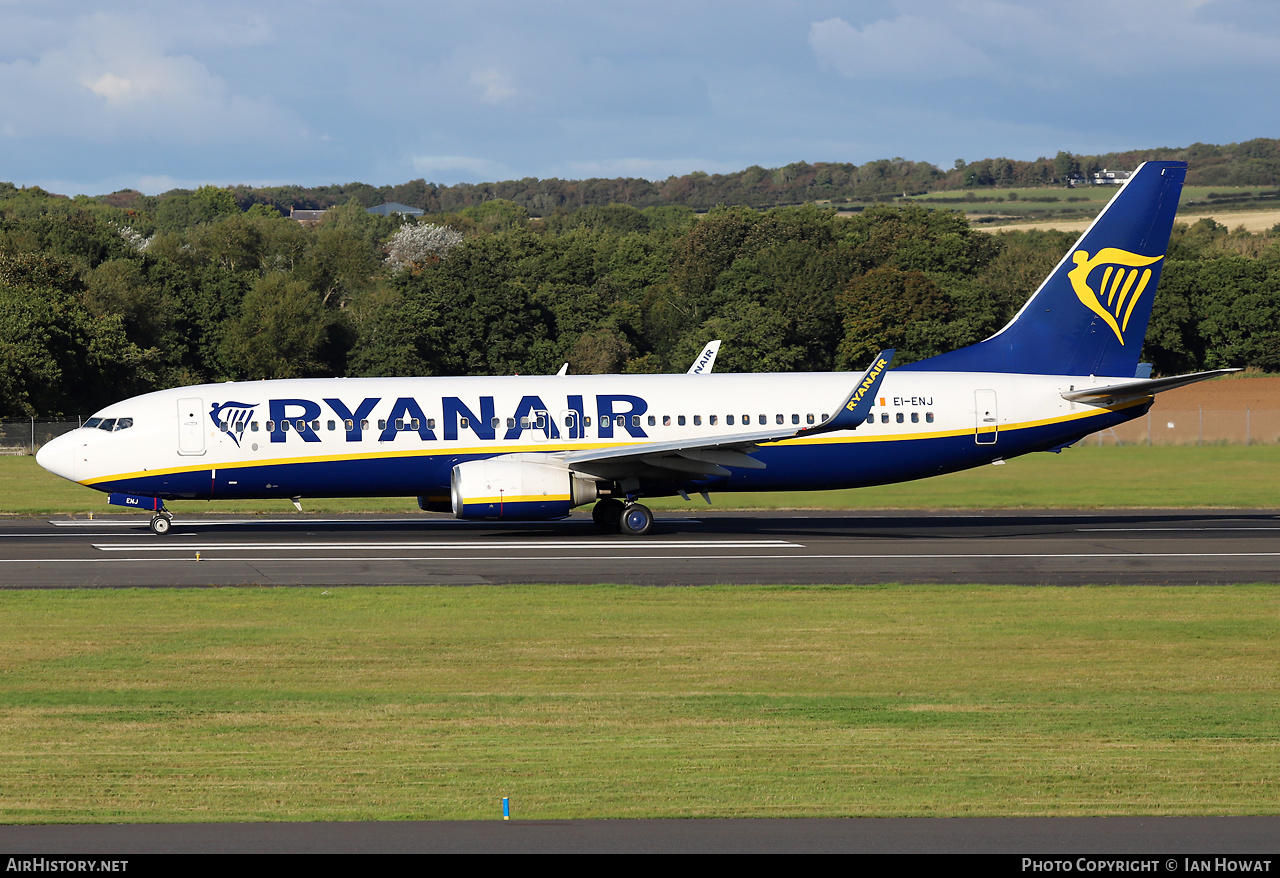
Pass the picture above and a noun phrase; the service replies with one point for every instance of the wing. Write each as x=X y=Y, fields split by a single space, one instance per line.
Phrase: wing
x=709 y=456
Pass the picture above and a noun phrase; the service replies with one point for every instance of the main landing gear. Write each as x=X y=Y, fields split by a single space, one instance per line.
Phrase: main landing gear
x=613 y=516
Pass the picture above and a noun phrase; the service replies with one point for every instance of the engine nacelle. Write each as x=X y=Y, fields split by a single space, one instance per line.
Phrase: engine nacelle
x=521 y=487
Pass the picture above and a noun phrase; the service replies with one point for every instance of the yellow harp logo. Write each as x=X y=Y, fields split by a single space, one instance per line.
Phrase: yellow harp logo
x=1123 y=279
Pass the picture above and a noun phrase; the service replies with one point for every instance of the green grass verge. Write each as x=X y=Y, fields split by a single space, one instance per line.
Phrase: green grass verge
x=609 y=701
x=1225 y=476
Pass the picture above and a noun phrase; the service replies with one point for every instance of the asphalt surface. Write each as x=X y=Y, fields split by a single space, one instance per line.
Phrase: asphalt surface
x=1026 y=548
x=1154 y=840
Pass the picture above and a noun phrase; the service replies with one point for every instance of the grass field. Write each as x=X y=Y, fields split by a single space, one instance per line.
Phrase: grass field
x=432 y=703
x=1226 y=476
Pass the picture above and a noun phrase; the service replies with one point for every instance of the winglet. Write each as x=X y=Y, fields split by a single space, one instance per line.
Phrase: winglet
x=854 y=410
x=706 y=360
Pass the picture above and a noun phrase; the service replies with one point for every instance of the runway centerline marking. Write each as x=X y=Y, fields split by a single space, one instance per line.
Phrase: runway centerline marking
x=311 y=545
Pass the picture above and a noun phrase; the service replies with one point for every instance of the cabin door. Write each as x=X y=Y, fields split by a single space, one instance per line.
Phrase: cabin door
x=987 y=421
x=191 y=426
x=540 y=423
x=571 y=425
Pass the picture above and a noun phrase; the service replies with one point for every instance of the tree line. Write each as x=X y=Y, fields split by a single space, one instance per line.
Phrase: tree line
x=99 y=301
x=1252 y=163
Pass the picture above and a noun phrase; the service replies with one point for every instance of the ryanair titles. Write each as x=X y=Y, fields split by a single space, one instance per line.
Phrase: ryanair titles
x=868 y=382
x=616 y=415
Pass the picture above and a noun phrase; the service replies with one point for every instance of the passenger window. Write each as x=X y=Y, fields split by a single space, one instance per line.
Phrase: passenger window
x=431 y=423
x=728 y=419
x=224 y=426
x=586 y=420
x=568 y=420
x=680 y=420
x=463 y=422
x=511 y=423
x=746 y=419
x=884 y=417
x=666 y=420
x=808 y=419
x=898 y=417
x=713 y=420
x=795 y=419
x=399 y=424
x=271 y=426
x=764 y=419
x=635 y=420
x=315 y=425
x=871 y=419
x=382 y=423
x=284 y=426
x=302 y=426
x=415 y=424
x=697 y=420
x=781 y=419
x=525 y=424
x=349 y=425
x=928 y=416
x=253 y=426
x=364 y=424
x=915 y=417
x=652 y=421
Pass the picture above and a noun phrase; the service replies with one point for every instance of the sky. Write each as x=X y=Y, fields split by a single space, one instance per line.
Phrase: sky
x=155 y=95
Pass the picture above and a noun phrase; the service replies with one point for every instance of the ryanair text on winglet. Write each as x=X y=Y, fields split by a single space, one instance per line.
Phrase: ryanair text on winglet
x=867 y=383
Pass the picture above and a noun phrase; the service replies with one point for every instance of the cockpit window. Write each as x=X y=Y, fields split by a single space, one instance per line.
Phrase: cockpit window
x=109 y=424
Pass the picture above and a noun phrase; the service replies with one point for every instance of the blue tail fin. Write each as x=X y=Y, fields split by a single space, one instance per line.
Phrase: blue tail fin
x=1090 y=315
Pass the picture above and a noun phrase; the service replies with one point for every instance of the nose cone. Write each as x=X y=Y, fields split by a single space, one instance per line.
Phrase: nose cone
x=59 y=457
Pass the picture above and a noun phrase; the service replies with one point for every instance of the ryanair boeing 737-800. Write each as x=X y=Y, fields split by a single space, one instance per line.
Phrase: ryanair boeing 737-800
x=530 y=448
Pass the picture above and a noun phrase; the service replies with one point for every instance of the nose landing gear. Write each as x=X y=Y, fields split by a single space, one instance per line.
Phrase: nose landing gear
x=161 y=522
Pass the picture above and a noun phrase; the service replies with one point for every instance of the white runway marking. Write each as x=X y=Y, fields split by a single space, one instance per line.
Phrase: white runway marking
x=313 y=545
x=1224 y=528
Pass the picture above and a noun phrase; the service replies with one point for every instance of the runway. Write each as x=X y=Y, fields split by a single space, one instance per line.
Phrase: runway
x=1024 y=548
x=1145 y=843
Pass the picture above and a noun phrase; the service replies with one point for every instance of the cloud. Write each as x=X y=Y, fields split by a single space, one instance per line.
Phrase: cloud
x=647 y=168
x=907 y=48
x=112 y=80
x=451 y=164
x=494 y=87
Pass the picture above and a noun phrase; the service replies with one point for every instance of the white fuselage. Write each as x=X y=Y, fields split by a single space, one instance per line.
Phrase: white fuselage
x=401 y=436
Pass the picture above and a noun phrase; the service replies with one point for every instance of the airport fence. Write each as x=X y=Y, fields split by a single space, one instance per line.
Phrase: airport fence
x=1198 y=426
x=26 y=435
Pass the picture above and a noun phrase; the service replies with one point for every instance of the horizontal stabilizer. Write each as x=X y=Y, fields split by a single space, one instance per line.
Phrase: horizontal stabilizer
x=1115 y=394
